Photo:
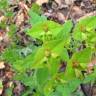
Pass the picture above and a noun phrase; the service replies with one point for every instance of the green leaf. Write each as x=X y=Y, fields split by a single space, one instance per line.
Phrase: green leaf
x=64 y=90
x=9 y=92
x=11 y=55
x=9 y=14
x=24 y=64
x=42 y=76
x=48 y=88
x=36 y=8
x=46 y=30
x=69 y=72
x=27 y=80
x=66 y=29
x=3 y=4
x=39 y=62
x=83 y=56
x=74 y=84
x=54 y=66
x=90 y=77
x=82 y=26
x=1 y=85
x=35 y=18
x=12 y=31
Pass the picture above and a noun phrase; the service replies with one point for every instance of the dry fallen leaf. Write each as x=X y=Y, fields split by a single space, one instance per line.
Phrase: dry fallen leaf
x=23 y=6
x=2 y=34
x=40 y=2
x=69 y=2
x=59 y=2
x=2 y=18
x=77 y=12
x=2 y=66
x=61 y=17
x=19 y=18
x=93 y=1
x=9 y=74
x=1 y=90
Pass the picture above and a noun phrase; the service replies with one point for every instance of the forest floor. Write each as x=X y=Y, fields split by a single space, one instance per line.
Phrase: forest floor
x=56 y=10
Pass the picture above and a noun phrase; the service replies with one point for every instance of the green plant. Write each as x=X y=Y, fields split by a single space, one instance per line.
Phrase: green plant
x=54 y=68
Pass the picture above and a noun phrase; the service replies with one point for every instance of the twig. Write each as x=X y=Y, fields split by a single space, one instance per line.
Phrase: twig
x=69 y=12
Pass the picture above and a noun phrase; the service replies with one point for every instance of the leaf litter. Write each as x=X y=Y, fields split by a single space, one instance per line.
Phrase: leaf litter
x=57 y=10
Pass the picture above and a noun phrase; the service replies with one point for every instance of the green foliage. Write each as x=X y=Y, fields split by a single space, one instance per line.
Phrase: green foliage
x=3 y=4
x=35 y=17
x=36 y=8
x=85 y=30
x=39 y=67
x=1 y=85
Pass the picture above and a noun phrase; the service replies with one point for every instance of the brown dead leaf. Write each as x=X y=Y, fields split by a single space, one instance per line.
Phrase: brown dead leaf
x=59 y=2
x=77 y=12
x=69 y=2
x=18 y=89
x=2 y=18
x=23 y=6
x=1 y=90
x=2 y=66
x=2 y=34
x=9 y=74
x=61 y=17
x=87 y=15
x=93 y=1
x=19 y=18
x=9 y=84
x=40 y=2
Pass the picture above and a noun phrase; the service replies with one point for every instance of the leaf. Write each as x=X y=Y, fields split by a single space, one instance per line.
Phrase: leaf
x=82 y=57
x=82 y=26
x=48 y=28
x=36 y=8
x=42 y=76
x=39 y=62
x=35 y=18
x=8 y=14
x=40 y=2
x=54 y=66
x=90 y=77
x=9 y=92
x=2 y=65
x=20 y=63
x=74 y=84
x=64 y=90
x=48 y=88
x=52 y=47
x=27 y=80
x=12 y=31
x=10 y=55
x=1 y=87
x=68 y=88
x=3 y=4
x=69 y=72
x=66 y=29
x=24 y=64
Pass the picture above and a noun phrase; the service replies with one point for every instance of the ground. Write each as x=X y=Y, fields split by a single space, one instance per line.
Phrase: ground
x=57 y=10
